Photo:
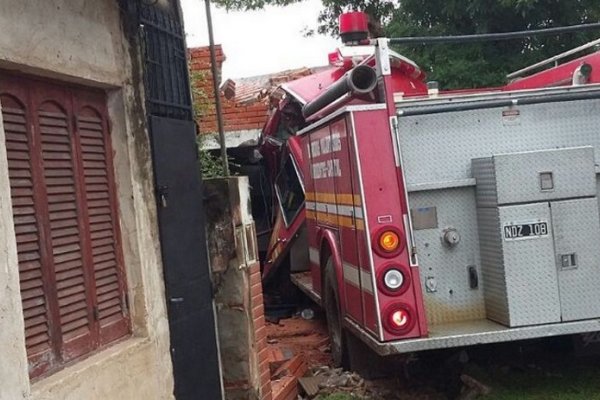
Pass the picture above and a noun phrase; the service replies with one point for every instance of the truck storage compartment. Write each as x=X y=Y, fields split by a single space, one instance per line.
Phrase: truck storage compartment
x=577 y=248
x=531 y=176
x=539 y=231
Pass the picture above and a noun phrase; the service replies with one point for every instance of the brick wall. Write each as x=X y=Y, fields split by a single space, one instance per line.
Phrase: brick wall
x=237 y=289
x=260 y=338
x=236 y=116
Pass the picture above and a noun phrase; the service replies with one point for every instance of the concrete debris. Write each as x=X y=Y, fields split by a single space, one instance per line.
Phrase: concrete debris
x=342 y=379
x=311 y=385
x=335 y=380
x=326 y=381
x=472 y=388
x=302 y=337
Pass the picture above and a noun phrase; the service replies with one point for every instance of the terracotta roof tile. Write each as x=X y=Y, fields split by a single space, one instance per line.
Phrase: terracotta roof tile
x=245 y=101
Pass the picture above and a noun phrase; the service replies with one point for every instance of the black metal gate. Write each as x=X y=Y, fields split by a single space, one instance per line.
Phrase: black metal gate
x=183 y=243
x=165 y=62
x=194 y=349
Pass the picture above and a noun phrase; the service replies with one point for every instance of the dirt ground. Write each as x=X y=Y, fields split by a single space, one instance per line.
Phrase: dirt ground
x=306 y=337
x=548 y=369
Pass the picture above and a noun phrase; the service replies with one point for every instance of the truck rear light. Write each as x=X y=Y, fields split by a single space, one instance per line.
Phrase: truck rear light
x=388 y=242
x=398 y=319
x=393 y=280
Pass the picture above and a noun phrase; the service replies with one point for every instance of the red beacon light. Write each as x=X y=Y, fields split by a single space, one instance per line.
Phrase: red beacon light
x=354 y=27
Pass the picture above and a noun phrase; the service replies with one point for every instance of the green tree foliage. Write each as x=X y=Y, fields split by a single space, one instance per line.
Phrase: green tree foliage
x=209 y=165
x=463 y=65
x=487 y=64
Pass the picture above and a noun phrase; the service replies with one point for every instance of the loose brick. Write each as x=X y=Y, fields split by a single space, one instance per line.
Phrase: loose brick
x=266 y=392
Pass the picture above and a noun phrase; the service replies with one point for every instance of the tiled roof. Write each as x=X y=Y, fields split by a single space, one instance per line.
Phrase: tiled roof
x=245 y=101
x=257 y=88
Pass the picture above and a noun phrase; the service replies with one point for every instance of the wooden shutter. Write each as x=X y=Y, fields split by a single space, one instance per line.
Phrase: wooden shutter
x=33 y=277
x=99 y=188
x=65 y=236
x=66 y=222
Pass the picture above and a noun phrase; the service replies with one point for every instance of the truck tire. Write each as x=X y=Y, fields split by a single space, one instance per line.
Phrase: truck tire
x=334 y=317
x=364 y=361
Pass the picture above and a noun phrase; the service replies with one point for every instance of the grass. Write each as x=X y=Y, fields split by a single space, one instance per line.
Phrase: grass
x=571 y=382
x=543 y=370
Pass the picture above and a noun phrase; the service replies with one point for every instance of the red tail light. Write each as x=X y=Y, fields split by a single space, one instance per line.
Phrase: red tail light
x=399 y=319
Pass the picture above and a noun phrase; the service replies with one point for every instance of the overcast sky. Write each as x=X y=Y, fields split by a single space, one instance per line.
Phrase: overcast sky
x=261 y=42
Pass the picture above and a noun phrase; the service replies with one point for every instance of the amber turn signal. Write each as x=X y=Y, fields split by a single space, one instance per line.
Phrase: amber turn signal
x=389 y=241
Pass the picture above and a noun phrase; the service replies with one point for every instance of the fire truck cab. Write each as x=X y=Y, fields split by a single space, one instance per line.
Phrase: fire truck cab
x=434 y=220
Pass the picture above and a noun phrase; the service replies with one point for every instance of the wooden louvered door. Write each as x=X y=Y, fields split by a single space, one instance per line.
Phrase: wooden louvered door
x=93 y=145
x=54 y=132
x=64 y=206
x=41 y=336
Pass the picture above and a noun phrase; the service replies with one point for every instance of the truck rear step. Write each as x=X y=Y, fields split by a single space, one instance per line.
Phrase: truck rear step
x=469 y=333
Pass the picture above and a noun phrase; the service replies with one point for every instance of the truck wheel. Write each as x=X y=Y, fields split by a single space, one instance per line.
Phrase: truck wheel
x=334 y=318
x=363 y=360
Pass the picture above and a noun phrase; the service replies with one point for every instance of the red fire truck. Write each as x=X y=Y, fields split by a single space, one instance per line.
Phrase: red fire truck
x=421 y=219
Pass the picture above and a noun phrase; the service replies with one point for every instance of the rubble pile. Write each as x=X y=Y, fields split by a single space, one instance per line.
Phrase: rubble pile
x=326 y=381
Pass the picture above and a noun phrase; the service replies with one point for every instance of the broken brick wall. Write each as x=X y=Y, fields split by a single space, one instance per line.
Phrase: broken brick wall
x=237 y=289
x=237 y=116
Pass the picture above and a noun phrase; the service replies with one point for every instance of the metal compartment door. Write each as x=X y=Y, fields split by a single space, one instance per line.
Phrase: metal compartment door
x=545 y=175
x=529 y=274
x=576 y=225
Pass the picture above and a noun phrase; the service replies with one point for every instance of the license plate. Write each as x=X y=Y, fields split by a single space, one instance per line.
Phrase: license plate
x=522 y=231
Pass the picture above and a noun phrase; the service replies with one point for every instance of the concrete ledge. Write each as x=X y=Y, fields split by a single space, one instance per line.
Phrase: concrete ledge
x=108 y=373
x=233 y=139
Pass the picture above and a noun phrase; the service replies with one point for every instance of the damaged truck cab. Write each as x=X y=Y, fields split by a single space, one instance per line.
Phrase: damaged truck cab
x=422 y=219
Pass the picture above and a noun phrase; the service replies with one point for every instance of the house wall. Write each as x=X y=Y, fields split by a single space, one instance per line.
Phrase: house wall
x=77 y=38
x=238 y=289
x=241 y=122
x=246 y=102
x=83 y=41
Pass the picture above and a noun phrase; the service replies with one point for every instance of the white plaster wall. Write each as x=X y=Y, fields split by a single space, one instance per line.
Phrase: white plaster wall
x=13 y=359
x=82 y=41
x=78 y=38
x=244 y=138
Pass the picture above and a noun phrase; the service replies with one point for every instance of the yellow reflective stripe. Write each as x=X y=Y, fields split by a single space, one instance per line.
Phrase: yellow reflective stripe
x=342 y=198
x=333 y=219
